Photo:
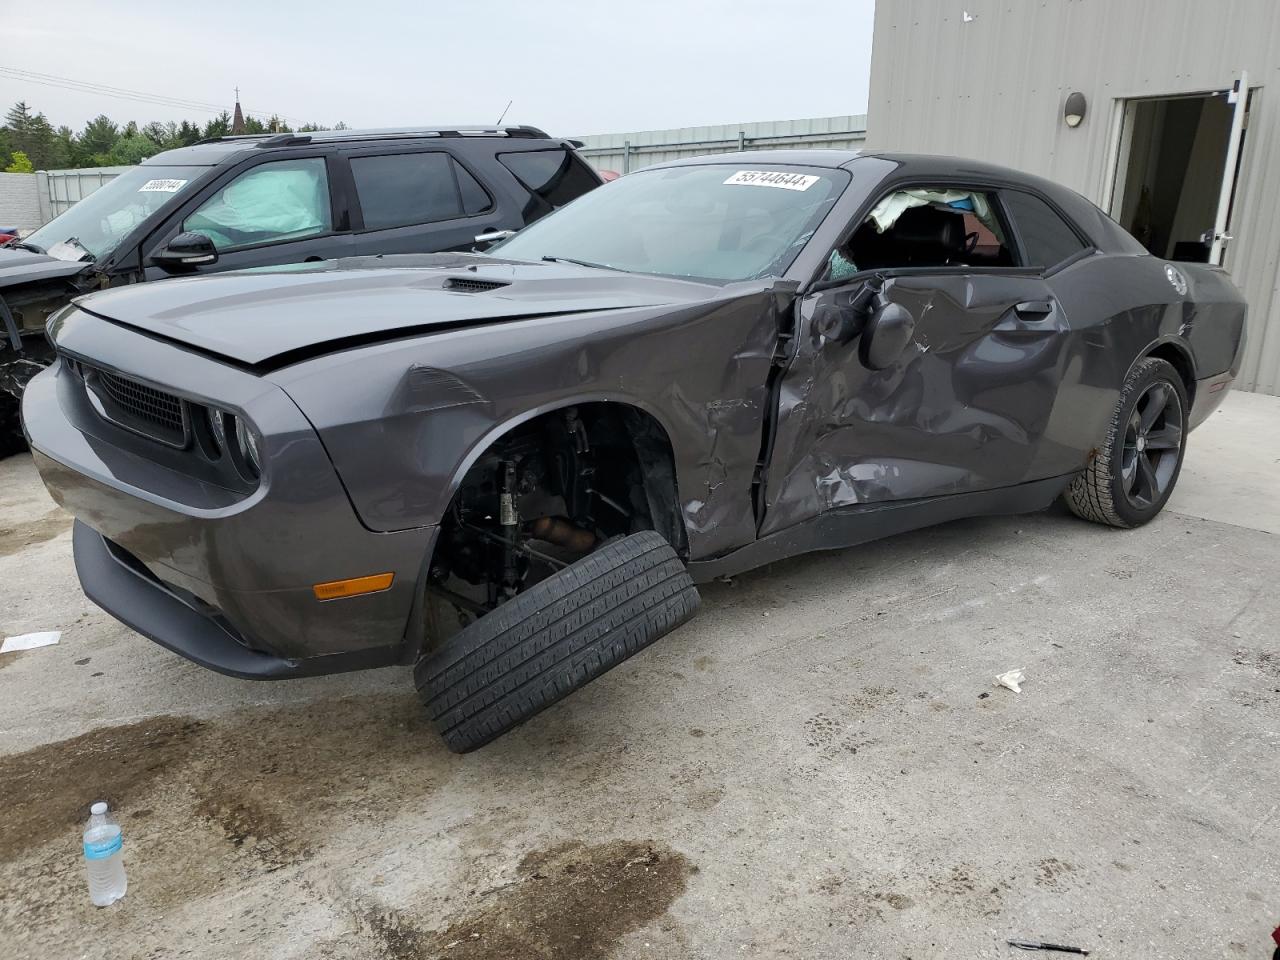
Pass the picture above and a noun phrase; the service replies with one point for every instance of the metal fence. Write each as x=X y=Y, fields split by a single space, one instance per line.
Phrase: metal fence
x=60 y=190
x=624 y=152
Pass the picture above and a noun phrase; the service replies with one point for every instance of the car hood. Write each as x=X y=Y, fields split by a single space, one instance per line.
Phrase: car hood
x=23 y=266
x=258 y=317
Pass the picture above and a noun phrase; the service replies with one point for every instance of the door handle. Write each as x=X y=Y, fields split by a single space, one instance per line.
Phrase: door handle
x=493 y=236
x=1034 y=308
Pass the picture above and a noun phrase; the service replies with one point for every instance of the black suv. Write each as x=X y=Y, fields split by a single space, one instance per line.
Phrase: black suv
x=236 y=202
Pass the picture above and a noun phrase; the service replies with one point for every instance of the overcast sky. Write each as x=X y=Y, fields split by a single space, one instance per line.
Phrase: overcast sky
x=571 y=67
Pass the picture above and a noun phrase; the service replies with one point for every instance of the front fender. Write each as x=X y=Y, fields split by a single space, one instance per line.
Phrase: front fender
x=404 y=421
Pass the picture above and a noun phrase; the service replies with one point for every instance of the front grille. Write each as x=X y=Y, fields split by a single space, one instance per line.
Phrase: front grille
x=138 y=407
x=467 y=285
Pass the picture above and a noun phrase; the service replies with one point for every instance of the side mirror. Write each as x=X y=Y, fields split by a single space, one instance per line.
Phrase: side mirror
x=490 y=237
x=186 y=250
x=838 y=321
x=845 y=315
x=889 y=329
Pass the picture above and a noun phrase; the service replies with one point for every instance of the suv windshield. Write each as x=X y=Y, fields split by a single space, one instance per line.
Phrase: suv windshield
x=97 y=224
x=718 y=222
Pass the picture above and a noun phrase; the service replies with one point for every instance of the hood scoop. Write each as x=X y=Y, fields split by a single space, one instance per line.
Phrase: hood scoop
x=474 y=285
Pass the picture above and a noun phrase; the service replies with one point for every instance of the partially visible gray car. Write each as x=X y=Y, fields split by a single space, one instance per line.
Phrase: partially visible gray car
x=510 y=469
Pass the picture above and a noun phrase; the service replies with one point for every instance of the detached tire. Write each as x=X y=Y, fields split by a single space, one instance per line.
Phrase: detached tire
x=1132 y=475
x=557 y=636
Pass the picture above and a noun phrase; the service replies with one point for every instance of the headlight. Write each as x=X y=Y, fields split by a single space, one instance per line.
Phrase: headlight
x=248 y=444
x=228 y=435
x=217 y=429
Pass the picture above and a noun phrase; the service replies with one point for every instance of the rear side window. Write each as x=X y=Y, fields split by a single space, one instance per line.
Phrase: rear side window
x=403 y=189
x=1045 y=235
x=554 y=177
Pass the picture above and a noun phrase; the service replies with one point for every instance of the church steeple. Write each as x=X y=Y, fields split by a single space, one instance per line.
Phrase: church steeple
x=237 y=119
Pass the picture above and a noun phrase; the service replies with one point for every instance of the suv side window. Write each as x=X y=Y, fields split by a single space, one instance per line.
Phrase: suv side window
x=926 y=227
x=280 y=200
x=403 y=189
x=1046 y=237
x=553 y=177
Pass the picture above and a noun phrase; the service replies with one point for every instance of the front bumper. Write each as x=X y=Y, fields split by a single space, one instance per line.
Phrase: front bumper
x=222 y=577
x=139 y=599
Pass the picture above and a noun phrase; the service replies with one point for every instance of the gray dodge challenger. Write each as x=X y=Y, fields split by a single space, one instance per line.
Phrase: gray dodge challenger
x=510 y=469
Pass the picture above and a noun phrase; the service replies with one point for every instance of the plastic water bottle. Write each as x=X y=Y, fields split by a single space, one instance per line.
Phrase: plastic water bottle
x=102 y=859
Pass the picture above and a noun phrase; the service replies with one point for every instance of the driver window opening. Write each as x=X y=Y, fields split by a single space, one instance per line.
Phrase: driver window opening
x=925 y=227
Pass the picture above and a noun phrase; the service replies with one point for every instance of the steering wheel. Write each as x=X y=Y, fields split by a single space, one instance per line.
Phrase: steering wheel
x=970 y=242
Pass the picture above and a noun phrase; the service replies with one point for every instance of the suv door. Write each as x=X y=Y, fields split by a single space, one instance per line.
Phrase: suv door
x=276 y=210
x=418 y=201
x=962 y=406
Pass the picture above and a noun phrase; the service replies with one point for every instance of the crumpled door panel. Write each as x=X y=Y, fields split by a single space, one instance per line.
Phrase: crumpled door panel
x=964 y=408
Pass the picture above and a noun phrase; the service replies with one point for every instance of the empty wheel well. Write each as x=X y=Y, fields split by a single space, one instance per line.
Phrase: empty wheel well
x=1180 y=360
x=544 y=494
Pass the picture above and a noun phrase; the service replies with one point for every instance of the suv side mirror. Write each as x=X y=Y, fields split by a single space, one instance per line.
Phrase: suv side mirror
x=186 y=250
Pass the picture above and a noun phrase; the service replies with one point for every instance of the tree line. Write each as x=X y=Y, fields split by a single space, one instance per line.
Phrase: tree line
x=29 y=142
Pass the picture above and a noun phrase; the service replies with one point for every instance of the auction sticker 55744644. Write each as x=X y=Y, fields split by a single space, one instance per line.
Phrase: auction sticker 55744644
x=773 y=178
x=162 y=186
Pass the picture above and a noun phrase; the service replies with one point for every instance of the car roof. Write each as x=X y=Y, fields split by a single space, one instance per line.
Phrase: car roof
x=917 y=164
x=211 y=152
x=1102 y=231
x=805 y=158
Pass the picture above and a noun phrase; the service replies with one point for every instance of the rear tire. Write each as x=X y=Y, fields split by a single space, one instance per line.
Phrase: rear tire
x=557 y=636
x=1132 y=474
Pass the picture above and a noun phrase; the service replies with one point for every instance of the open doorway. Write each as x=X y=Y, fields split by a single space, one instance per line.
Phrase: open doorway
x=1173 y=156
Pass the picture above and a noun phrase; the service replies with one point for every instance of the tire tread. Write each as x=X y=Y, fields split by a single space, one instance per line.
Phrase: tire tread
x=554 y=638
x=1090 y=495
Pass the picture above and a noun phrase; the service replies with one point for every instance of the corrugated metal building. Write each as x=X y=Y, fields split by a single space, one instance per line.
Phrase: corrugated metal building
x=624 y=152
x=990 y=79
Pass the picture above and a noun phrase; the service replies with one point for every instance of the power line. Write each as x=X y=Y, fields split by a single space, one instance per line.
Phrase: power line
x=105 y=90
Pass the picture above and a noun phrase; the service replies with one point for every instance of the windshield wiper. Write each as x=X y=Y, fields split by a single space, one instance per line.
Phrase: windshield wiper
x=582 y=263
x=23 y=245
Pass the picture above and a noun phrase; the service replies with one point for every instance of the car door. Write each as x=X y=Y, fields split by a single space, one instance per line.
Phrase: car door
x=270 y=211
x=952 y=395
x=418 y=201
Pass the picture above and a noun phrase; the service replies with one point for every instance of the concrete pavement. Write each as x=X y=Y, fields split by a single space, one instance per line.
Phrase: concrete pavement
x=818 y=766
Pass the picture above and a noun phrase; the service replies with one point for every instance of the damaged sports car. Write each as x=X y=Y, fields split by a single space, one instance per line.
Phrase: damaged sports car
x=510 y=469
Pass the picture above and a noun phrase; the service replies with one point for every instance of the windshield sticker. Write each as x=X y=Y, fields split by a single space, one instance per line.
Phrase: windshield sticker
x=772 y=178
x=162 y=186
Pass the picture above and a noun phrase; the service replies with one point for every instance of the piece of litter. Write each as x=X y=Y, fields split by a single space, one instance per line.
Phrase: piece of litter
x=1013 y=680
x=29 y=641
x=1038 y=945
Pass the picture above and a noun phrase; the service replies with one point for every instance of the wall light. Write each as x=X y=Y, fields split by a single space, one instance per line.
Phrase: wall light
x=1073 y=113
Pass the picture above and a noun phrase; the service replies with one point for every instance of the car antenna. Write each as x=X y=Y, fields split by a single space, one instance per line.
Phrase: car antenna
x=504 y=113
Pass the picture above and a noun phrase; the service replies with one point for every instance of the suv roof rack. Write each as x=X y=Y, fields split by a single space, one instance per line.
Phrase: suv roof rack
x=269 y=140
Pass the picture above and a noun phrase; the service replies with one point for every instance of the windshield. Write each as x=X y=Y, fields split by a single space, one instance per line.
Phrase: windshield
x=720 y=222
x=97 y=224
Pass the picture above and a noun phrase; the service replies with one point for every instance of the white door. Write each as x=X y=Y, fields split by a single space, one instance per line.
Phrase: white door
x=1239 y=98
